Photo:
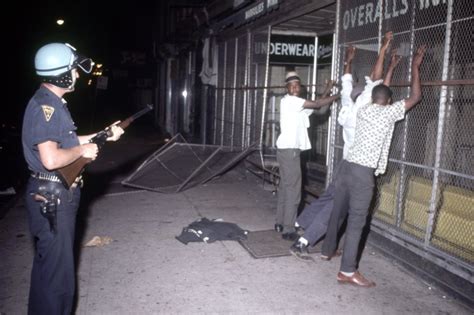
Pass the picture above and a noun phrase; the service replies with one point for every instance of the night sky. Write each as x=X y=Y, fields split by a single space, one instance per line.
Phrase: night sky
x=97 y=29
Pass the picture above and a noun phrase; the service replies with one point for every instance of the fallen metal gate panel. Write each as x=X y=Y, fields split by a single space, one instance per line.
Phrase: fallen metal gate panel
x=179 y=165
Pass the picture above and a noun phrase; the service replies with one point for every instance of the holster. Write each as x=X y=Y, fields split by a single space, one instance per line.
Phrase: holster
x=48 y=196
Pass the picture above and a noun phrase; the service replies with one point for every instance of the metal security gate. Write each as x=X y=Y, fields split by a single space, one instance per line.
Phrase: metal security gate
x=249 y=91
x=240 y=94
x=425 y=201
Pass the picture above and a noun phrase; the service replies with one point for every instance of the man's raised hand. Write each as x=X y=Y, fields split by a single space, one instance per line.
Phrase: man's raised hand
x=387 y=39
x=350 y=53
x=395 y=60
x=418 y=58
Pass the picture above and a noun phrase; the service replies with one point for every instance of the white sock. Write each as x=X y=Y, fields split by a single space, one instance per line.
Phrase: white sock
x=297 y=225
x=303 y=241
x=347 y=274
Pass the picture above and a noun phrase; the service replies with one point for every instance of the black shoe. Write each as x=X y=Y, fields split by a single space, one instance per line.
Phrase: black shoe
x=278 y=228
x=300 y=251
x=292 y=236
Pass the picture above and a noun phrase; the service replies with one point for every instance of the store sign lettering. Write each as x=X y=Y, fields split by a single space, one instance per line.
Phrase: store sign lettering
x=370 y=12
x=256 y=10
x=296 y=49
x=288 y=49
x=260 y=8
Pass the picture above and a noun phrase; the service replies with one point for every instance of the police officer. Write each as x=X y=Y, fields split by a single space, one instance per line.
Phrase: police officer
x=50 y=142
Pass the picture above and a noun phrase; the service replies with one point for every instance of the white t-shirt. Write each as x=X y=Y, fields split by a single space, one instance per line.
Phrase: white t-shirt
x=373 y=135
x=348 y=113
x=294 y=122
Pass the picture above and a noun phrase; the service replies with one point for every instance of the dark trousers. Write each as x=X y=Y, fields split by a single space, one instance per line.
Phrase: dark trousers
x=354 y=191
x=53 y=275
x=315 y=217
x=289 y=189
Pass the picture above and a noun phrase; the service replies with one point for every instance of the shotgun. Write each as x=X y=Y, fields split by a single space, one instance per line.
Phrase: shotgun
x=69 y=173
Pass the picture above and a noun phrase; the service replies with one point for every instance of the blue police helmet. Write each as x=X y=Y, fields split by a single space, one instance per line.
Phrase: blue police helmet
x=54 y=62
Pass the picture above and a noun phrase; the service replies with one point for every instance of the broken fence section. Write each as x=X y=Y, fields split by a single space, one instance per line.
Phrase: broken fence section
x=180 y=165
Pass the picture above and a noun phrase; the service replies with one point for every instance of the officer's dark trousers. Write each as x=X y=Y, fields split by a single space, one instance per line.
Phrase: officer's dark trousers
x=52 y=276
x=289 y=189
x=354 y=191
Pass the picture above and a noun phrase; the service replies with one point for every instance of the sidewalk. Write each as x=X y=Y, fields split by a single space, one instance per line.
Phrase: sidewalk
x=145 y=270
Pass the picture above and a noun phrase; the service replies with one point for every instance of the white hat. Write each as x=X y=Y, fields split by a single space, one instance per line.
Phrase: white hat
x=292 y=76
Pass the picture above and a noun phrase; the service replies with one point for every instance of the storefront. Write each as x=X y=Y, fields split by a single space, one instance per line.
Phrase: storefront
x=424 y=203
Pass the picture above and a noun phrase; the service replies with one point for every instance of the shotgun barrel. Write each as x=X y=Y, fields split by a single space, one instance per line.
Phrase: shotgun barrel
x=71 y=172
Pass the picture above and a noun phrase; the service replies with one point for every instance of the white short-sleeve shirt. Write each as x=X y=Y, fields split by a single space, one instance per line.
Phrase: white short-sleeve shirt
x=348 y=113
x=294 y=122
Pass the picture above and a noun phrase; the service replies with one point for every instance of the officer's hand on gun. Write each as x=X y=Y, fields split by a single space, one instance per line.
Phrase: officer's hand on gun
x=117 y=132
x=89 y=150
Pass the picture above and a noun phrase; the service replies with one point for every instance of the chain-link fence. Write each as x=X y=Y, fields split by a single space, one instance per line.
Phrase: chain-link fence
x=248 y=95
x=425 y=200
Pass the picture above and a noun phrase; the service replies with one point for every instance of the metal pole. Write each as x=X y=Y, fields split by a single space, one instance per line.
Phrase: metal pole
x=441 y=119
x=265 y=91
x=186 y=94
x=273 y=138
x=401 y=184
x=223 y=93
x=170 y=127
x=330 y=156
x=233 y=122
x=315 y=68
x=244 y=101
x=216 y=95
x=247 y=83
x=393 y=84
x=255 y=109
x=249 y=94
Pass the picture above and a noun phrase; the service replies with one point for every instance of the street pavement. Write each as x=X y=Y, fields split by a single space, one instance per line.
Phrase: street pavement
x=145 y=270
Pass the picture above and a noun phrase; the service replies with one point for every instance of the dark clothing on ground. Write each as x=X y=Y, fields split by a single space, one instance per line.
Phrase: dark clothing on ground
x=208 y=231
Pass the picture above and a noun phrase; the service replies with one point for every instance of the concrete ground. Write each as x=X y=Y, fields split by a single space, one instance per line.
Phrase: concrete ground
x=145 y=270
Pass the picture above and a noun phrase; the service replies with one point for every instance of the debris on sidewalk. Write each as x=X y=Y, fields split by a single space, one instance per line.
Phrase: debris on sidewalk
x=99 y=241
x=208 y=231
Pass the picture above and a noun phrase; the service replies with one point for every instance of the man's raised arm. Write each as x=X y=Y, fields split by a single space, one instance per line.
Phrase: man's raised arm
x=320 y=102
x=391 y=67
x=377 y=70
x=350 y=53
x=415 y=88
x=346 y=79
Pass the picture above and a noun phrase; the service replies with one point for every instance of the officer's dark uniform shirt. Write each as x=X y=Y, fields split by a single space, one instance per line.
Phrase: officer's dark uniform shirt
x=46 y=119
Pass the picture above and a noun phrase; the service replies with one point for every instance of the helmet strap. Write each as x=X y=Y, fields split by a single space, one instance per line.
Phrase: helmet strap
x=66 y=80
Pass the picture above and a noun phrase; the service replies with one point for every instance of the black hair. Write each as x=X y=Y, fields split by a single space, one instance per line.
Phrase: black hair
x=380 y=92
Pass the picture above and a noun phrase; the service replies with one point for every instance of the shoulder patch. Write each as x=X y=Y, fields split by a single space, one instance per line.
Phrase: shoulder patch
x=47 y=111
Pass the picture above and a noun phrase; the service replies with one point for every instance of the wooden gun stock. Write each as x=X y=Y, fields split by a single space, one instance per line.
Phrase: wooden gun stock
x=69 y=173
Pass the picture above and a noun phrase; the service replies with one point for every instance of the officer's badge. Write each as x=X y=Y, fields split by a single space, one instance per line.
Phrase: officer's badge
x=47 y=111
